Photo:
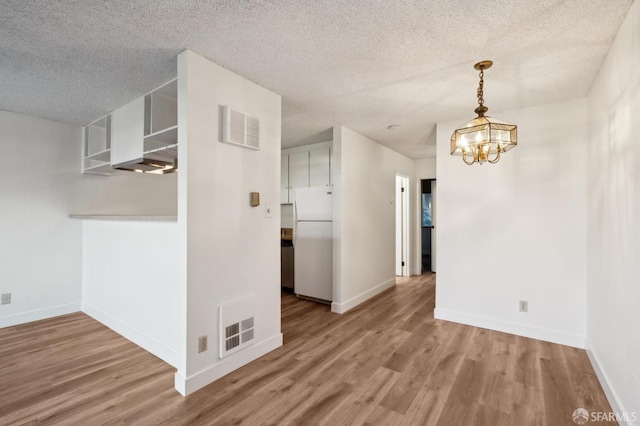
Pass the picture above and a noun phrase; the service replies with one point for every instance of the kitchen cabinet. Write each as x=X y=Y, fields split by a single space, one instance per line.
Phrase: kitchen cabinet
x=127 y=132
x=161 y=118
x=320 y=167
x=284 y=179
x=303 y=167
x=96 y=157
x=297 y=175
x=147 y=128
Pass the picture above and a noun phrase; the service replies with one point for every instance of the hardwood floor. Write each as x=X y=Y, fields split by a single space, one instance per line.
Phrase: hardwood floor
x=387 y=362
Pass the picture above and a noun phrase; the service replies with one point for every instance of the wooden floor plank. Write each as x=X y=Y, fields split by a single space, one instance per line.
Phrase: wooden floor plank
x=366 y=397
x=388 y=361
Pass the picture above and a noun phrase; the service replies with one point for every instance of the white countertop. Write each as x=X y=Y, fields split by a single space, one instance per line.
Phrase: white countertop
x=124 y=217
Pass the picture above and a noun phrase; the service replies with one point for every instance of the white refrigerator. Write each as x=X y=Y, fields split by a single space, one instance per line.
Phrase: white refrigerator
x=313 y=243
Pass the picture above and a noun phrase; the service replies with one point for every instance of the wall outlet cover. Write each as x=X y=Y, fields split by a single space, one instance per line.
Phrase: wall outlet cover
x=523 y=306
x=202 y=344
x=6 y=299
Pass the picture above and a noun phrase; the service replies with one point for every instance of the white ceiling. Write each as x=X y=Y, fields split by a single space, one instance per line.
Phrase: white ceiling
x=361 y=64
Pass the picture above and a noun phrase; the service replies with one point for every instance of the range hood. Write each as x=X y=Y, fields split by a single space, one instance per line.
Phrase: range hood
x=149 y=165
x=144 y=133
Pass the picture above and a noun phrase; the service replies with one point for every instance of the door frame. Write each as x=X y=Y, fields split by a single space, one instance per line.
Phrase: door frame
x=402 y=225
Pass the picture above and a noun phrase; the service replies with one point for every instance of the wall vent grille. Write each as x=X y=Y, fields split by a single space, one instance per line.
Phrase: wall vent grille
x=247 y=324
x=241 y=129
x=247 y=335
x=232 y=342
x=232 y=330
x=237 y=325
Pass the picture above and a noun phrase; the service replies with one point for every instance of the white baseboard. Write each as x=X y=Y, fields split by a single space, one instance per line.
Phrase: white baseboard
x=341 y=308
x=37 y=315
x=158 y=349
x=524 y=330
x=188 y=385
x=609 y=391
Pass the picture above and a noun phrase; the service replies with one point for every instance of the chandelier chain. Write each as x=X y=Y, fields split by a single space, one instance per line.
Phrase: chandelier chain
x=480 y=89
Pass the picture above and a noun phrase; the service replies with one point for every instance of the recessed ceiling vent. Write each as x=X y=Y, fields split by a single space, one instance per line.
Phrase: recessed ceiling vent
x=237 y=325
x=240 y=129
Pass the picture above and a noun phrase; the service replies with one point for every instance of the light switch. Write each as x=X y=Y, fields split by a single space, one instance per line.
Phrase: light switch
x=267 y=210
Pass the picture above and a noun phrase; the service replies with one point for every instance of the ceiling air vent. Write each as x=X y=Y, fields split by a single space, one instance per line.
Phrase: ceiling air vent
x=240 y=129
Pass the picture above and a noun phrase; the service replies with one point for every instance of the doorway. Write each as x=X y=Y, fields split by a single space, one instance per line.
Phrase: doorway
x=427 y=221
x=402 y=225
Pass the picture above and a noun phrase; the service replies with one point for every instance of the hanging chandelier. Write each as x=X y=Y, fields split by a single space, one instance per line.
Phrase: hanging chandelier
x=483 y=138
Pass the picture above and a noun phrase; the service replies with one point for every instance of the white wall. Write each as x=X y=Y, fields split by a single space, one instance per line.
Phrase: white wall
x=131 y=282
x=425 y=168
x=613 y=206
x=40 y=246
x=125 y=193
x=41 y=185
x=516 y=230
x=233 y=250
x=363 y=174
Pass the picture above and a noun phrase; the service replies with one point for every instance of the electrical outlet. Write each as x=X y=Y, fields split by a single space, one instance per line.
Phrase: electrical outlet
x=202 y=344
x=6 y=299
x=523 y=306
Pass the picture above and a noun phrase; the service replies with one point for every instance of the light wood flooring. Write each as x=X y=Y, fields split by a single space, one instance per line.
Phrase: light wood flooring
x=387 y=362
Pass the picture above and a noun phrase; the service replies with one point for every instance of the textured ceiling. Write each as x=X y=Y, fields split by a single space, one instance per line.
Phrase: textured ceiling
x=361 y=64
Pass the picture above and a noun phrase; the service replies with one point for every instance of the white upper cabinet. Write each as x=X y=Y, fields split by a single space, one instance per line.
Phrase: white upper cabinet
x=303 y=167
x=96 y=158
x=298 y=173
x=320 y=167
x=146 y=127
x=127 y=132
x=284 y=179
x=161 y=118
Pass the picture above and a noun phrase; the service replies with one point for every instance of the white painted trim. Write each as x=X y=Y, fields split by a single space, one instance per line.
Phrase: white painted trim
x=40 y=314
x=405 y=201
x=341 y=308
x=188 y=385
x=518 y=329
x=158 y=349
x=609 y=391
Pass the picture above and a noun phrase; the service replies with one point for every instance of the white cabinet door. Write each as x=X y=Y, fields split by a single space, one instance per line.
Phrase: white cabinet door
x=320 y=167
x=298 y=172
x=284 y=179
x=127 y=132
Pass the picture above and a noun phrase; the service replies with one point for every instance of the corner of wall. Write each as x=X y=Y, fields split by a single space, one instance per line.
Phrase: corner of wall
x=341 y=308
x=190 y=384
x=38 y=314
x=605 y=382
x=232 y=248
x=336 y=179
x=613 y=236
x=519 y=329
x=364 y=261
